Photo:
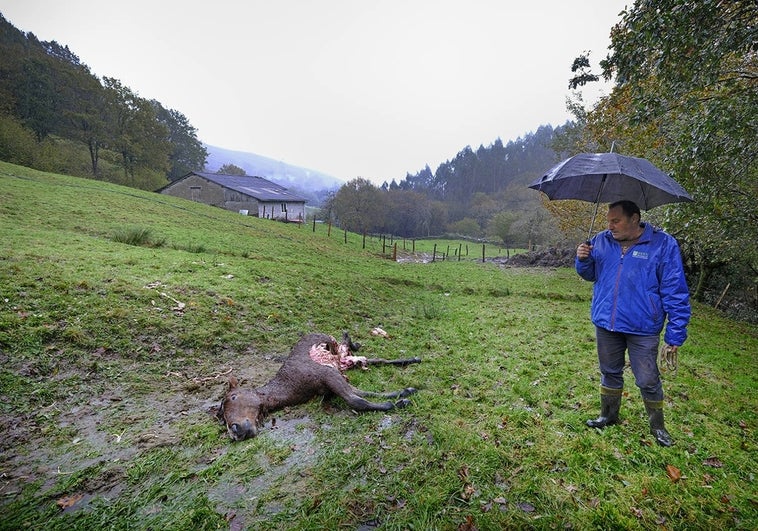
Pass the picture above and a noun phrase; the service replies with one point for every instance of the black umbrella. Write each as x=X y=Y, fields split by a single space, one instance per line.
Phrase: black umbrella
x=610 y=177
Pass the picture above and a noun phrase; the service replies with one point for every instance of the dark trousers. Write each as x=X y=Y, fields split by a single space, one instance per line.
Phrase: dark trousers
x=643 y=357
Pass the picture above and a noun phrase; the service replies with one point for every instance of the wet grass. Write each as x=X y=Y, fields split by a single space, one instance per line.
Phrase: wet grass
x=113 y=352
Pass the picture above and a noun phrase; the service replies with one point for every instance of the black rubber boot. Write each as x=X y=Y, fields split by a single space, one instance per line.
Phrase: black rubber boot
x=610 y=403
x=655 y=416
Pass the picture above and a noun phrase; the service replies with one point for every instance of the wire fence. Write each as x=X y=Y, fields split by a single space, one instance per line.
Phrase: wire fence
x=432 y=249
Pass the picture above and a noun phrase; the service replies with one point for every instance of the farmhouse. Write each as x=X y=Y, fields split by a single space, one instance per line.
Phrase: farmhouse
x=254 y=196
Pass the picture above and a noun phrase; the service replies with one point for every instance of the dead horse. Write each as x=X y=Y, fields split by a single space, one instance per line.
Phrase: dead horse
x=313 y=368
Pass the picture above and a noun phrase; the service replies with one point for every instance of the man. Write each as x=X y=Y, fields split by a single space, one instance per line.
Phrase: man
x=639 y=284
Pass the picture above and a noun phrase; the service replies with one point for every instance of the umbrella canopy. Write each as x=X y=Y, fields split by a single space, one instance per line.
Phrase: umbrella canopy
x=610 y=177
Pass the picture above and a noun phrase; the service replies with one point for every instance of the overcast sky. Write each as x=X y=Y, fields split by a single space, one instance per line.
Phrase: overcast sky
x=351 y=88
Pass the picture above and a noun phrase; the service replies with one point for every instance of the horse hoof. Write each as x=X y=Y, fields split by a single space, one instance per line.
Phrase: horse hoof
x=402 y=403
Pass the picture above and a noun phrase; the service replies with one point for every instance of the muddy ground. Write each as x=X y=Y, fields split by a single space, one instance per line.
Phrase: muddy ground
x=77 y=438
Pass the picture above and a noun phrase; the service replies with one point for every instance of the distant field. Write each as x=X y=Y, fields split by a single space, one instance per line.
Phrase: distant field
x=123 y=312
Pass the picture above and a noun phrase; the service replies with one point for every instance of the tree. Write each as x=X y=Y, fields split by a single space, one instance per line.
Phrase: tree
x=86 y=118
x=533 y=228
x=39 y=106
x=231 y=169
x=138 y=136
x=187 y=152
x=466 y=227
x=17 y=143
x=482 y=207
x=360 y=206
x=407 y=213
x=500 y=226
x=689 y=103
x=46 y=89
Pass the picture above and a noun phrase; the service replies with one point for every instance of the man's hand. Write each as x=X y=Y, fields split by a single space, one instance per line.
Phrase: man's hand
x=583 y=251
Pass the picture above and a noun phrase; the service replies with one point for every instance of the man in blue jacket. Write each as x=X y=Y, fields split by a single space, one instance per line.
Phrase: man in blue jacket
x=639 y=286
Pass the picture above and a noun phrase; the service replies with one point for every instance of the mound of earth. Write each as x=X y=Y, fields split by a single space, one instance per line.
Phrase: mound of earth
x=552 y=257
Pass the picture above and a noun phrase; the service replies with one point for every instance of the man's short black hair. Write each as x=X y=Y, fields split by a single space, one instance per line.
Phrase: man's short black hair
x=629 y=207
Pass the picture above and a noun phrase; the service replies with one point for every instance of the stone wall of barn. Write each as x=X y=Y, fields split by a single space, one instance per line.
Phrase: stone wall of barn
x=281 y=211
x=195 y=188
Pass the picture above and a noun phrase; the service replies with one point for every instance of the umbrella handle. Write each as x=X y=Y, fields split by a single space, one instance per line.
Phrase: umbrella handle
x=597 y=203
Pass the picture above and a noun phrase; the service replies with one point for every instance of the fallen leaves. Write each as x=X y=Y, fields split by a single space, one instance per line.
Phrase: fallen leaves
x=713 y=461
x=502 y=505
x=468 y=525
x=673 y=473
x=526 y=507
x=66 y=502
x=468 y=490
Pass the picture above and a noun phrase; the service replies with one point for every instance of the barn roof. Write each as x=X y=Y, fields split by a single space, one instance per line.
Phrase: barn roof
x=257 y=187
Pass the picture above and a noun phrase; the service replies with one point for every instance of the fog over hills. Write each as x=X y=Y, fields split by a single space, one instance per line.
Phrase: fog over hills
x=296 y=178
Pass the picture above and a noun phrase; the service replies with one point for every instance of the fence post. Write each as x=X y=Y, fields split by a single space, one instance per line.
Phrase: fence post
x=460 y=246
x=345 y=235
x=483 y=245
x=394 y=253
x=434 y=253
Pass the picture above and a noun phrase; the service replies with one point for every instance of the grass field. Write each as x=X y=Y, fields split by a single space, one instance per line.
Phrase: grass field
x=122 y=312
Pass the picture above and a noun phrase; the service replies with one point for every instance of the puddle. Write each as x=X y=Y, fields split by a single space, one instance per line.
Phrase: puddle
x=300 y=436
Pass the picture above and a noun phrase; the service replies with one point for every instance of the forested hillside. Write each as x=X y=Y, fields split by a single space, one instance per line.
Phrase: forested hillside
x=478 y=194
x=55 y=115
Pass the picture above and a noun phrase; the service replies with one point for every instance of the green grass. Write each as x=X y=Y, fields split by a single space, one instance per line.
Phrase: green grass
x=122 y=311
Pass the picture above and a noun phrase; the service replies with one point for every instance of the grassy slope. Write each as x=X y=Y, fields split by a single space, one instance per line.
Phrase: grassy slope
x=105 y=384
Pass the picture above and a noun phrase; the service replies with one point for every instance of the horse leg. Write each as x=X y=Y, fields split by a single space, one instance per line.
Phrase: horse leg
x=355 y=398
x=402 y=362
x=401 y=393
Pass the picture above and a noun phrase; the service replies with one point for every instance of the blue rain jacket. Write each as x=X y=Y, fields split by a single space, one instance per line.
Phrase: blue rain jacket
x=635 y=293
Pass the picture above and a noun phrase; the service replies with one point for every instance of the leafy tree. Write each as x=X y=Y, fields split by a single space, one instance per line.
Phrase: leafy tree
x=534 y=227
x=482 y=207
x=438 y=216
x=231 y=169
x=17 y=143
x=86 y=119
x=407 y=214
x=500 y=226
x=421 y=182
x=187 y=152
x=138 y=137
x=360 y=206
x=689 y=103
x=466 y=227
x=38 y=107
x=46 y=89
